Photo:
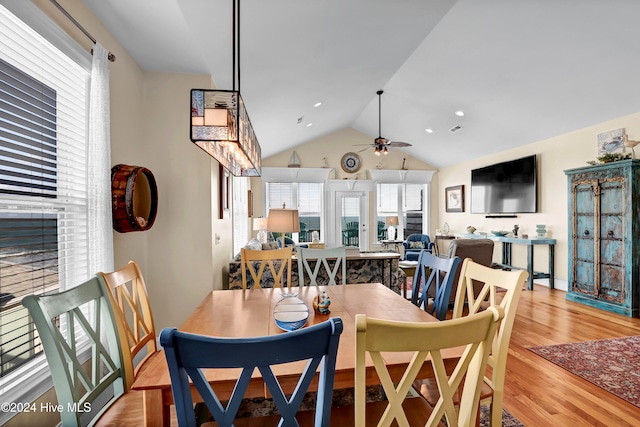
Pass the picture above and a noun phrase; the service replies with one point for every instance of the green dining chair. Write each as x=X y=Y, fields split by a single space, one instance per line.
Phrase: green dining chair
x=70 y=325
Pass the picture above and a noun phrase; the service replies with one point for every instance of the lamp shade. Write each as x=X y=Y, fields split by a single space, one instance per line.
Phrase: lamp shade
x=283 y=221
x=260 y=223
x=392 y=220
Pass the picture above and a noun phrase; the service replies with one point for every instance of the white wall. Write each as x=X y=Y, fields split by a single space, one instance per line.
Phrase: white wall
x=333 y=147
x=556 y=154
x=149 y=127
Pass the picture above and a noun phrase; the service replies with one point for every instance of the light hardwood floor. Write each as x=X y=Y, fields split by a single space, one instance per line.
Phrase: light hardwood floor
x=539 y=393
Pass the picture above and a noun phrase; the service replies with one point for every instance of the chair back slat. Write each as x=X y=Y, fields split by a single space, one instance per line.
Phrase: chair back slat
x=263 y=258
x=129 y=291
x=71 y=324
x=306 y=257
x=499 y=287
x=436 y=276
x=427 y=341
x=187 y=354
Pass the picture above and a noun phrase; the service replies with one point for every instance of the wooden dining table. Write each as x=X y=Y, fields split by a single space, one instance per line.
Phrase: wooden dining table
x=248 y=313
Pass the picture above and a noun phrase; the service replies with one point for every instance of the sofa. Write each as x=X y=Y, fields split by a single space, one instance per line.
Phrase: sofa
x=358 y=271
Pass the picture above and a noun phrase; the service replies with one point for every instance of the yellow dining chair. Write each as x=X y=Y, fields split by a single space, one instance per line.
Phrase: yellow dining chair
x=278 y=260
x=500 y=287
x=378 y=338
x=129 y=292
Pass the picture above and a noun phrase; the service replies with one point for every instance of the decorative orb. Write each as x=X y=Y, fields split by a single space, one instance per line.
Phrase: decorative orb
x=290 y=313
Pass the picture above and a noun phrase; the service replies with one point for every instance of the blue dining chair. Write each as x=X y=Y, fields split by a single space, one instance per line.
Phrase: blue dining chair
x=187 y=354
x=436 y=275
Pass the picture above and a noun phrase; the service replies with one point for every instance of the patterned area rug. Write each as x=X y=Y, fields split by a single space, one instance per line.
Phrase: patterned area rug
x=611 y=364
x=261 y=407
x=508 y=420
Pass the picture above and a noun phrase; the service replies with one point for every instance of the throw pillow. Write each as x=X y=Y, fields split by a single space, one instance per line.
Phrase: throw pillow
x=416 y=245
x=269 y=245
x=253 y=244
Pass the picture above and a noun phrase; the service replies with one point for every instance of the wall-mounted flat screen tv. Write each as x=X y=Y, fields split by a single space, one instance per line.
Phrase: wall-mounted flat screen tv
x=505 y=188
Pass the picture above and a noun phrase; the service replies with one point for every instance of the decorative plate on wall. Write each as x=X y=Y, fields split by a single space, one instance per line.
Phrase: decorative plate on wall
x=350 y=162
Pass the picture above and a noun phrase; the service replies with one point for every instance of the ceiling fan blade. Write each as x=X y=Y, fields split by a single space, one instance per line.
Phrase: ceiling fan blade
x=369 y=145
x=398 y=144
x=364 y=149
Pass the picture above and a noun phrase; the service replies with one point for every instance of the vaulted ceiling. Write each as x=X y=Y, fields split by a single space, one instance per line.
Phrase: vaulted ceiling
x=520 y=70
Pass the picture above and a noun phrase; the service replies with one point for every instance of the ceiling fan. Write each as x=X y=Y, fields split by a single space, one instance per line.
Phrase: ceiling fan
x=381 y=145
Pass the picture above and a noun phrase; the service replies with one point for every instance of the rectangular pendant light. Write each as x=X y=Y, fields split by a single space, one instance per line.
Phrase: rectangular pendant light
x=220 y=126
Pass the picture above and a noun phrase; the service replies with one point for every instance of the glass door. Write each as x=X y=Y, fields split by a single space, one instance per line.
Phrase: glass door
x=352 y=215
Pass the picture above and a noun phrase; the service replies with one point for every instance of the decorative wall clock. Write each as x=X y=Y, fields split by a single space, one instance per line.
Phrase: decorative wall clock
x=350 y=162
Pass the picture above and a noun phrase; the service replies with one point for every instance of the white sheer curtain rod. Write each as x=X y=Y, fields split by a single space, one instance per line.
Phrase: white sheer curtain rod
x=111 y=56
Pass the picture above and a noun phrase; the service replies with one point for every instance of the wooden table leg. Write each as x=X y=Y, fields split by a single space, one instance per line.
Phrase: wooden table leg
x=155 y=413
x=530 y=267
x=551 y=266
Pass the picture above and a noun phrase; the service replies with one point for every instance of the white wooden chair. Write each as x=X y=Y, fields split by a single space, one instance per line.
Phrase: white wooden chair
x=322 y=258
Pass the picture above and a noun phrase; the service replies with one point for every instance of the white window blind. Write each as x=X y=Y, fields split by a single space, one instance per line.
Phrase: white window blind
x=387 y=199
x=307 y=197
x=279 y=193
x=413 y=197
x=240 y=212
x=43 y=195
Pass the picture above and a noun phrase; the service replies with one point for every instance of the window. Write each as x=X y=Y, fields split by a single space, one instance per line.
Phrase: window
x=404 y=200
x=43 y=204
x=304 y=196
x=240 y=212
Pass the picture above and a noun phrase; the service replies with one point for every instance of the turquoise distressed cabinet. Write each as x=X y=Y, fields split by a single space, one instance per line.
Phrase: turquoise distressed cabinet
x=604 y=233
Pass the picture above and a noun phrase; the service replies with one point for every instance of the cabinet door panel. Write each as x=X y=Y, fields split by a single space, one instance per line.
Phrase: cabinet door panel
x=583 y=277
x=585 y=227
x=584 y=198
x=611 y=227
x=611 y=252
x=611 y=197
x=612 y=283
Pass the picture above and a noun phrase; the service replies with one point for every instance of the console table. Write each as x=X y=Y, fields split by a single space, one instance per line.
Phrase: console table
x=506 y=255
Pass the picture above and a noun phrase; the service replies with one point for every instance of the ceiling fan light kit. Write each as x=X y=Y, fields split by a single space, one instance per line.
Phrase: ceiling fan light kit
x=381 y=145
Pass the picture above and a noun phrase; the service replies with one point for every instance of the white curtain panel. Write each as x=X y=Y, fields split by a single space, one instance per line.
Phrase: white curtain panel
x=99 y=166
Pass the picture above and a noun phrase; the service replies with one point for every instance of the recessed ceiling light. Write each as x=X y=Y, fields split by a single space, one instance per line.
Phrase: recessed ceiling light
x=317 y=104
x=428 y=130
x=309 y=124
x=459 y=113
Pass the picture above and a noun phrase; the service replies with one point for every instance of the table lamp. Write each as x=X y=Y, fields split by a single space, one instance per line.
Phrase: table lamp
x=283 y=221
x=260 y=225
x=391 y=230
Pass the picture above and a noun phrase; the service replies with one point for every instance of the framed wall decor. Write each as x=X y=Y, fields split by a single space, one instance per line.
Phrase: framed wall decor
x=224 y=178
x=250 y=203
x=611 y=142
x=454 y=198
